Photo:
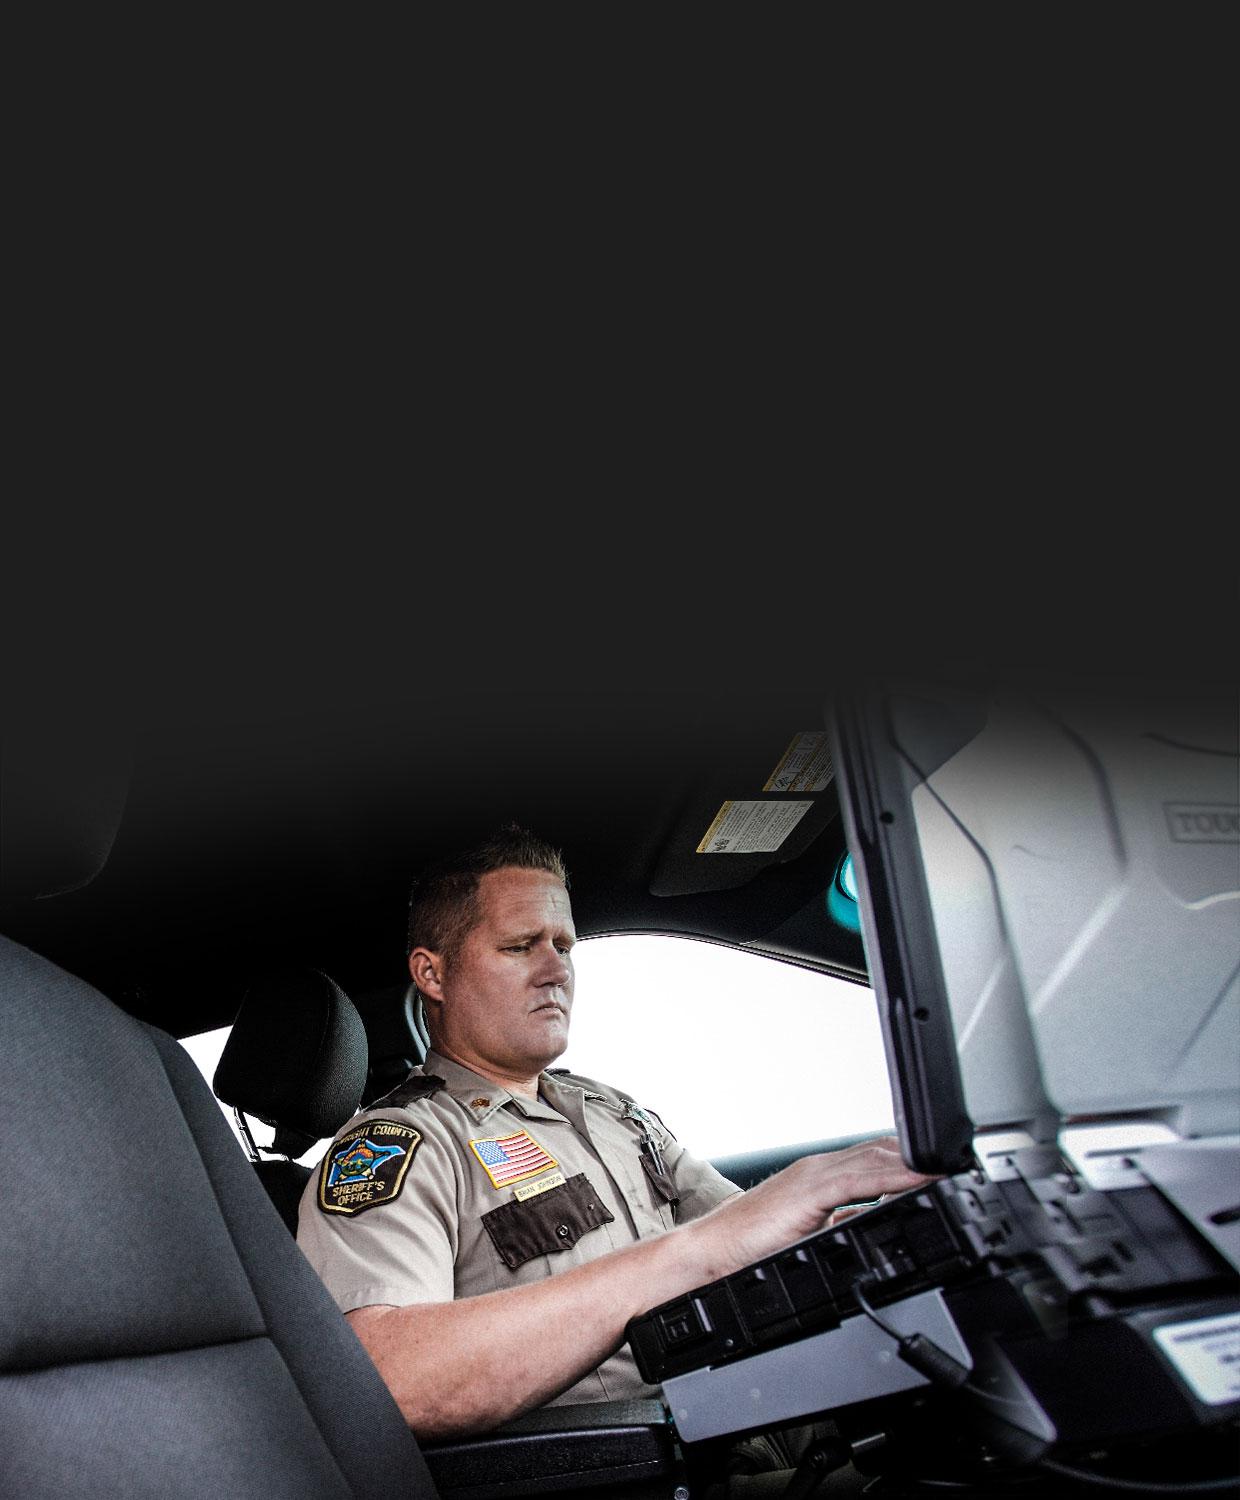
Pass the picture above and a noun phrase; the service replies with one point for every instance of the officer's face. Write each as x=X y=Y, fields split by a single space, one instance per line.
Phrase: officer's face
x=508 y=993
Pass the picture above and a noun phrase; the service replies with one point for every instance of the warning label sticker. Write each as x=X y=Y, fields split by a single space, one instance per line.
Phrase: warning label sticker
x=1206 y=1352
x=747 y=827
x=805 y=767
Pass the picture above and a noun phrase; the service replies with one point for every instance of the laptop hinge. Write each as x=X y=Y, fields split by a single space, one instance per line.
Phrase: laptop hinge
x=1107 y=1153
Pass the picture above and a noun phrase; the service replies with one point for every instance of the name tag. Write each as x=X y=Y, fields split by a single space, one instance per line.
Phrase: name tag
x=531 y=1189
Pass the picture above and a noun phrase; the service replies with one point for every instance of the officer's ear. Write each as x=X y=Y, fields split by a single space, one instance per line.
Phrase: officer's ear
x=426 y=971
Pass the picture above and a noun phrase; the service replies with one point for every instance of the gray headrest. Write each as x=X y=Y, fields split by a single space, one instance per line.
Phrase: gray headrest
x=296 y=1058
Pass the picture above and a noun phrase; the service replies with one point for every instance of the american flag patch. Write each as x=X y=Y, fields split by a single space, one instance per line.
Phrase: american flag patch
x=510 y=1158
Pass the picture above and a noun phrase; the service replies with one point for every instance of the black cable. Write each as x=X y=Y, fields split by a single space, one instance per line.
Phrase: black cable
x=927 y=1358
x=940 y=1368
x=1139 y=1486
x=864 y=1303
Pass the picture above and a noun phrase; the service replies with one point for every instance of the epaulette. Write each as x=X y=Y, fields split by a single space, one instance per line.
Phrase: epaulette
x=604 y=1091
x=587 y=1083
x=416 y=1086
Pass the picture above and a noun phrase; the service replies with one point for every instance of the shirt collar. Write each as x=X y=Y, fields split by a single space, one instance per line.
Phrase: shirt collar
x=482 y=1097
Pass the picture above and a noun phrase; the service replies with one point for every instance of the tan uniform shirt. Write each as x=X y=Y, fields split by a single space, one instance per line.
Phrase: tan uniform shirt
x=470 y=1189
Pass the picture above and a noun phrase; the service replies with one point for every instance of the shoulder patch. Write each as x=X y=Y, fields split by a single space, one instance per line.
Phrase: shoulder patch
x=366 y=1168
x=416 y=1086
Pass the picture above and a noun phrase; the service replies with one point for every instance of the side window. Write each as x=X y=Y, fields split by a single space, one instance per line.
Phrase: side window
x=735 y=1051
x=205 y=1049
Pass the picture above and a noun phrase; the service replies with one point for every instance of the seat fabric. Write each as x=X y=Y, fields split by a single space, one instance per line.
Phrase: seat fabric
x=164 y=1337
x=284 y=1182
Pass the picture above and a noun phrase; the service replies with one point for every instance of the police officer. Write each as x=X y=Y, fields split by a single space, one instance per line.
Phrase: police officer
x=489 y=1227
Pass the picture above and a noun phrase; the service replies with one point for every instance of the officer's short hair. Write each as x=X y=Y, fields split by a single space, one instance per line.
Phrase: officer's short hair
x=443 y=903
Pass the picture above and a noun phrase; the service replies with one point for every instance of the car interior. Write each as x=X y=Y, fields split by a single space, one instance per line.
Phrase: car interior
x=195 y=862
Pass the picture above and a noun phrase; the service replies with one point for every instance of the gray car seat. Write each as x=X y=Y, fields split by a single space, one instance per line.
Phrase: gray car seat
x=163 y=1337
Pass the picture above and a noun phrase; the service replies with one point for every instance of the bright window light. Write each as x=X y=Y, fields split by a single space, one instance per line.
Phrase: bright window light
x=734 y=1051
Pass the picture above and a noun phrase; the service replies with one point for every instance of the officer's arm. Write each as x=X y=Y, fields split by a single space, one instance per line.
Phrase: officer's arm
x=460 y=1367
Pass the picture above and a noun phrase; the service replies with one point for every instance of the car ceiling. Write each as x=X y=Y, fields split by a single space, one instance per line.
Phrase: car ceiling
x=238 y=837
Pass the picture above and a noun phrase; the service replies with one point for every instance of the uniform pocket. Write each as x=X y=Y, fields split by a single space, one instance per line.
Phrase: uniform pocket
x=663 y=1186
x=550 y=1221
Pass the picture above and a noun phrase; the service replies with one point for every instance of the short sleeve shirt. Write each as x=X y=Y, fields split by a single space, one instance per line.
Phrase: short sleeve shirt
x=470 y=1189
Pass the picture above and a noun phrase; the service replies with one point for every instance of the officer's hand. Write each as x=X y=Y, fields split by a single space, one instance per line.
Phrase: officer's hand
x=799 y=1200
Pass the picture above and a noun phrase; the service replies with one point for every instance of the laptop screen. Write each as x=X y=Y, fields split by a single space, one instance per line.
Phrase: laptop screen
x=1049 y=882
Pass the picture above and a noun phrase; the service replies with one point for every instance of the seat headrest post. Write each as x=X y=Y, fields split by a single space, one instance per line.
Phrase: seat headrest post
x=243 y=1125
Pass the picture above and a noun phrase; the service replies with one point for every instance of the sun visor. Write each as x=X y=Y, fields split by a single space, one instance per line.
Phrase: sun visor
x=776 y=798
x=1050 y=884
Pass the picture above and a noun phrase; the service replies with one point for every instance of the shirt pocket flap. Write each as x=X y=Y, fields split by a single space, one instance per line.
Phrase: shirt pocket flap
x=548 y=1222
